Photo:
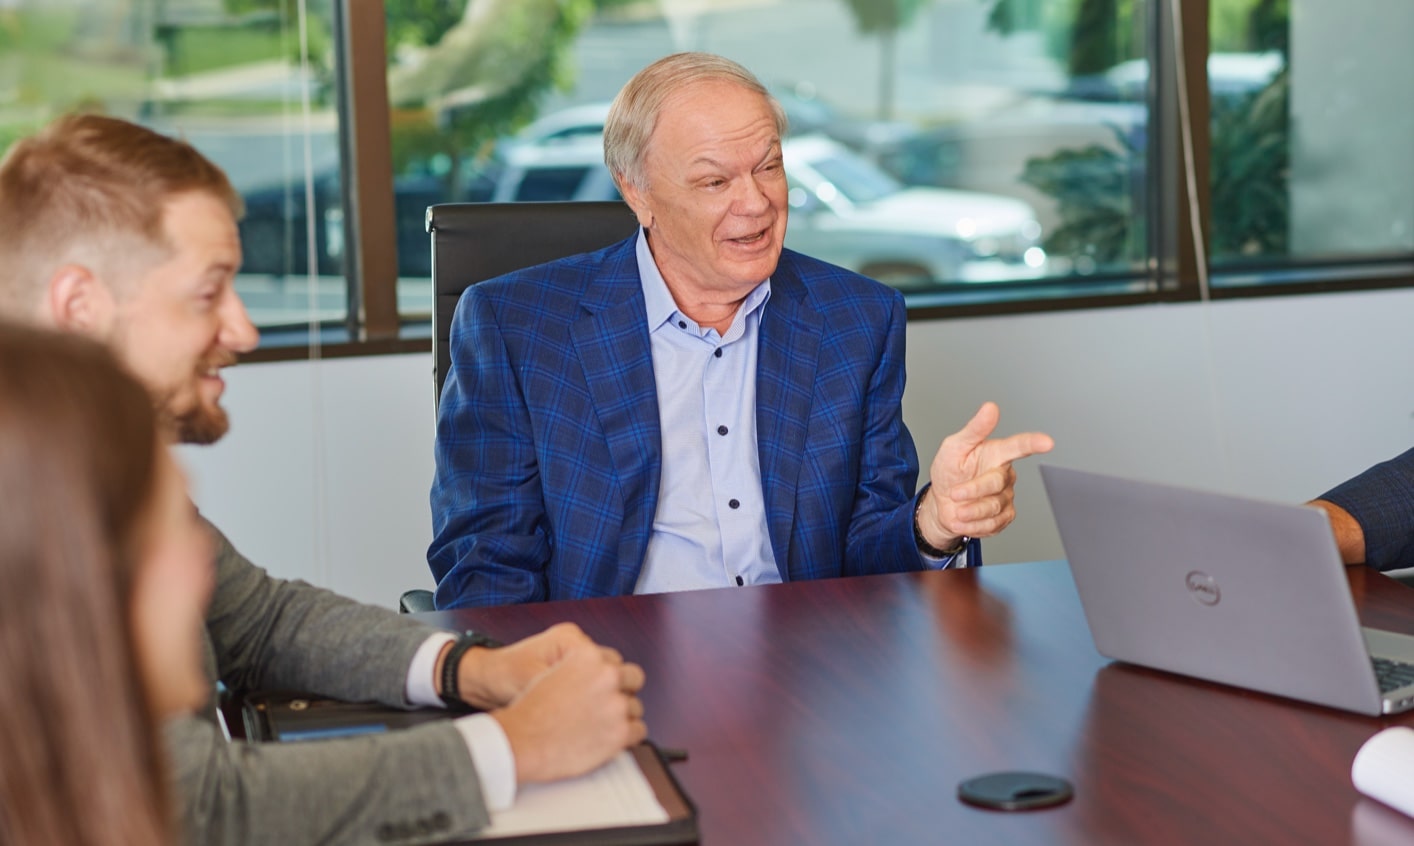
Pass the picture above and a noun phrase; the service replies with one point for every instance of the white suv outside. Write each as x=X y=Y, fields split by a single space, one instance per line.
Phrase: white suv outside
x=847 y=211
x=568 y=169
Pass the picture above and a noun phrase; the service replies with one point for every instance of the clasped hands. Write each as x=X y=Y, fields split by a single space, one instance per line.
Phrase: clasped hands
x=566 y=704
x=973 y=483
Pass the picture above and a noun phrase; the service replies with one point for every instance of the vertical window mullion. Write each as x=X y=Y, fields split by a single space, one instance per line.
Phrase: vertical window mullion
x=369 y=209
x=1181 y=247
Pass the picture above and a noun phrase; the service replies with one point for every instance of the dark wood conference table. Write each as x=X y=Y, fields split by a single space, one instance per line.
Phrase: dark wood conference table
x=846 y=711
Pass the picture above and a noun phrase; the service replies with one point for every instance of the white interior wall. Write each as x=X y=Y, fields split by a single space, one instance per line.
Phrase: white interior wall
x=326 y=472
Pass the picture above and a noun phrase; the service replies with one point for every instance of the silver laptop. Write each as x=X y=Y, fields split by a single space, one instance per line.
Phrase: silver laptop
x=1232 y=590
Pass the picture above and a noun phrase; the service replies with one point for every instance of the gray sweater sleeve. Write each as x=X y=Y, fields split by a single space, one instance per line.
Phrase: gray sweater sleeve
x=410 y=786
x=417 y=785
x=273 y=634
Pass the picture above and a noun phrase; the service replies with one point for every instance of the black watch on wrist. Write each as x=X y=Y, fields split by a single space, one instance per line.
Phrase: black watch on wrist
x=449 y=689
x=927 y=548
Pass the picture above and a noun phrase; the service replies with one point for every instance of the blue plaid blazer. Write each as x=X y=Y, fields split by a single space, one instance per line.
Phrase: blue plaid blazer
x=1382 y=501
x=548 y=449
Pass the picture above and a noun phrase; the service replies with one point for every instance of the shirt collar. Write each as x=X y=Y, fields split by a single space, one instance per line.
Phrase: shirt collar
x=659 y=300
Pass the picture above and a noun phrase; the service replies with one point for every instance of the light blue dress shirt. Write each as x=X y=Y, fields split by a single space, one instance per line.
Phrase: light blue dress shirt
x=710 y=526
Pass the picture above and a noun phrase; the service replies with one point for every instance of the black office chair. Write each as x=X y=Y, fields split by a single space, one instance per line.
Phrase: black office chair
x=473 y=242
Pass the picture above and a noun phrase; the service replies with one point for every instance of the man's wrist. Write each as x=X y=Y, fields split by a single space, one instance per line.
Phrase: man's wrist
x=921 y=541
x=450 y=685
x=1349 y=534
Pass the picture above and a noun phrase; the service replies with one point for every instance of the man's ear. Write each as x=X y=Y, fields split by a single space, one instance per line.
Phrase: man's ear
x=636 y=201
x=78 y=301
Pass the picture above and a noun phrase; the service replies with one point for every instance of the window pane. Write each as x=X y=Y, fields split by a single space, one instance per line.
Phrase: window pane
x=961 y=151
x=224 y=75
x=1312 y=133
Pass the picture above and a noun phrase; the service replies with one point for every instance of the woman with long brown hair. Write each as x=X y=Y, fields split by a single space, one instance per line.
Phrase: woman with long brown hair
x=104 y=576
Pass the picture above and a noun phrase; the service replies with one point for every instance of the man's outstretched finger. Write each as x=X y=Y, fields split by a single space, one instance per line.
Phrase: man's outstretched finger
x=1006 y=450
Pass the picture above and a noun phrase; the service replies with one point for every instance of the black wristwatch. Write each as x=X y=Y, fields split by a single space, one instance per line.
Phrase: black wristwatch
x=449 y=689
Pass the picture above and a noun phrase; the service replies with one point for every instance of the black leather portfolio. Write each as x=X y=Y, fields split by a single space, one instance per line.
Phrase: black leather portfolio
x=293 y=717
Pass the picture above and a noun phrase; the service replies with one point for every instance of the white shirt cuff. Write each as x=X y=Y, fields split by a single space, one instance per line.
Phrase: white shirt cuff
x=956 y=561
x=491 y=754
x=421 y=687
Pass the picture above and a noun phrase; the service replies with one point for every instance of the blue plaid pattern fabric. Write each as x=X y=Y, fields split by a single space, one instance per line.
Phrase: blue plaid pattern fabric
x=548 y=445
x=1382 y=501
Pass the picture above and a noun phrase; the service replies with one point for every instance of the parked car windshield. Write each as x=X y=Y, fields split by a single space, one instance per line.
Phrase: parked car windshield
x=855 y=179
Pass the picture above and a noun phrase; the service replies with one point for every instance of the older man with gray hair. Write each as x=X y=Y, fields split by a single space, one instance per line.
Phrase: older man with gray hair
x=695 y=406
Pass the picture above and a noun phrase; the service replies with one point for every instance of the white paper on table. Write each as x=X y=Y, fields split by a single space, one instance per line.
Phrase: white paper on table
x=1384 y=768
x=617 y=794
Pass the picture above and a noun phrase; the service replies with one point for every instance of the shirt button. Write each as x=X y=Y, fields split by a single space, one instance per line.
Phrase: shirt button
x=732 y=503
x=682 y=324
x=718 y=352
x=740 y=582
x=721 y=430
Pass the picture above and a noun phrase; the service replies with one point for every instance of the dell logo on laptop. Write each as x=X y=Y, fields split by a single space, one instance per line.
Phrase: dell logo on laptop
x=1203 y=587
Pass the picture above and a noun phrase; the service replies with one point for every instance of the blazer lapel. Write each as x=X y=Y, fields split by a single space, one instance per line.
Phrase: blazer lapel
x=611 y=340
x=785 y=385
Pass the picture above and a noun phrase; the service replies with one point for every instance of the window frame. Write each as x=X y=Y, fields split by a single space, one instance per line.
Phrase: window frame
x=1176 y=29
